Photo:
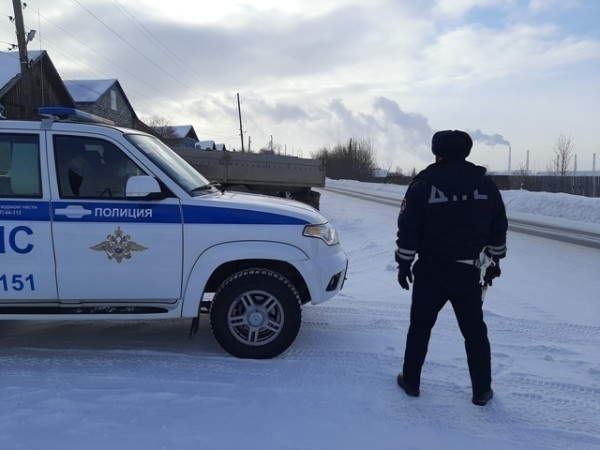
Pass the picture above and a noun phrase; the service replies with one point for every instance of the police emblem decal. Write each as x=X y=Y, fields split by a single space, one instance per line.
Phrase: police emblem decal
x=118 y=246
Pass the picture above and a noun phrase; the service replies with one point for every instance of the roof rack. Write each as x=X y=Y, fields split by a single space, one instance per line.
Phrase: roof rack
x=71 y=114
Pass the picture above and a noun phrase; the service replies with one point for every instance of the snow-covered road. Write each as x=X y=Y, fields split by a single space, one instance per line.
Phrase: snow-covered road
x=144 y=385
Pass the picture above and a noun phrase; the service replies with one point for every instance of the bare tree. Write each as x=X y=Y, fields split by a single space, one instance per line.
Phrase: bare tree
x=354 y=160
x=272 y=147
x=564 y=147
x=162 y=128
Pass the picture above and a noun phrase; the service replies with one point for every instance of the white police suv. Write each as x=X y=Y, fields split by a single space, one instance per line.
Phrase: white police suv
x=104 y=222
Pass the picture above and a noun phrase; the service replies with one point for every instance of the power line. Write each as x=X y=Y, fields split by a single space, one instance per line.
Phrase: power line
x=132 y=93
x=134 y=48
x=86 y=66
x=11 y=45
x=102 y=56
x=159 y=44
x=69 y=56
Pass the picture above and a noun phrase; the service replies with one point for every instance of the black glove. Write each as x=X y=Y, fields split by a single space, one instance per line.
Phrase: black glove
x=404 y=275
x=491 y=273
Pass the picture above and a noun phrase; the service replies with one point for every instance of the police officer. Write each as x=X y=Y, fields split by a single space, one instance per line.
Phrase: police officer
x=450 y=214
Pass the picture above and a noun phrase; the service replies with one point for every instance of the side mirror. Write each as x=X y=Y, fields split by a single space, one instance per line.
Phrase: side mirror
x=140 y=186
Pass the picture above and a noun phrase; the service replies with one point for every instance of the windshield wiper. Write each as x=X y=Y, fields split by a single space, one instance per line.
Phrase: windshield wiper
x=209 y=187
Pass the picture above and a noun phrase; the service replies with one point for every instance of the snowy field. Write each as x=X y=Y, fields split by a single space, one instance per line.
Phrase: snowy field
x=144 y=385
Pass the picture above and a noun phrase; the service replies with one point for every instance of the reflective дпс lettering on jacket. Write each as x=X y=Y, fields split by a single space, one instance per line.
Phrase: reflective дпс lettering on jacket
x=451 y=211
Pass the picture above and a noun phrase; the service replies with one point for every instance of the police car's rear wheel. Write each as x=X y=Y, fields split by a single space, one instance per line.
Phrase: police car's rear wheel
x=256 y=313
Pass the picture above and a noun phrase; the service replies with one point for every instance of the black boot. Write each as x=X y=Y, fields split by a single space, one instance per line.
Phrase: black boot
x=482 y=399
x=411 y=391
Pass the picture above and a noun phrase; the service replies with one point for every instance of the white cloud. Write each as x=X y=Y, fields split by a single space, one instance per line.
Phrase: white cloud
x=471 y=55
x=314 y=72
x=458 y=8
x=545 y=5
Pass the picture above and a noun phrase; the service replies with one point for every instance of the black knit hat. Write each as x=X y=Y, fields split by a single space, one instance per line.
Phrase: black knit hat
x=451 y=144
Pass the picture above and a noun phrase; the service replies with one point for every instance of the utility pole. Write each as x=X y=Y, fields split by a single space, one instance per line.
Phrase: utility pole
x=240 y=115
x=26 y=79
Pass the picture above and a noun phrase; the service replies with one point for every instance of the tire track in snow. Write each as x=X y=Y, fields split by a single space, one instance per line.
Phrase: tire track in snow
x=567 y=406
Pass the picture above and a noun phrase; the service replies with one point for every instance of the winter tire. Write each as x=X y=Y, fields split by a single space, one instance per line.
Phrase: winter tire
x=256 y=313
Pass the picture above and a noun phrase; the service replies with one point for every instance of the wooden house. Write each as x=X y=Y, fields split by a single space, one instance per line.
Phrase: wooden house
x=45 y=87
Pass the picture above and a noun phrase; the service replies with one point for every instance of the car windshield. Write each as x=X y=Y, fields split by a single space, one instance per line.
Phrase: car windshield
x=171 y=163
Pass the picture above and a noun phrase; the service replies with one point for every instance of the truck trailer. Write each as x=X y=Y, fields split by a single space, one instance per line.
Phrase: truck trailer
x=261 y=173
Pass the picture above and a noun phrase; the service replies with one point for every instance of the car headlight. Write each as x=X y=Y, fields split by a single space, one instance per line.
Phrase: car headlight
x=324 y=231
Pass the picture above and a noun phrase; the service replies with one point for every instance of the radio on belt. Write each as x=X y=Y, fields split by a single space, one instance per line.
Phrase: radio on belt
x=99 y=221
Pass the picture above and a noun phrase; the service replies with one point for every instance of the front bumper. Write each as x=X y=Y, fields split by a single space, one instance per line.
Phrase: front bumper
x=325 y=275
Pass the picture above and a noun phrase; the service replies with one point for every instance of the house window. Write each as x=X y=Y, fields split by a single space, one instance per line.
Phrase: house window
x=113 y=100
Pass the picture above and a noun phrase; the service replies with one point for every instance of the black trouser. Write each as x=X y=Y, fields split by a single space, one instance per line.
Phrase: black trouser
x=435 y=283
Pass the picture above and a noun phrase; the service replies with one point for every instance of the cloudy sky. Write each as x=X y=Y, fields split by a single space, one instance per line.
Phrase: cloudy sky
x=314 y=73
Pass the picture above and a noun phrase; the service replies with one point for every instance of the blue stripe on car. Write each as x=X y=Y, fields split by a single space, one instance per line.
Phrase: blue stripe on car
x=208 y=214
x=140 y=213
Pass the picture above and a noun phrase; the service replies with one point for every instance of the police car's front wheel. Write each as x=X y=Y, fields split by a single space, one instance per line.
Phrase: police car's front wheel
x=256 y=313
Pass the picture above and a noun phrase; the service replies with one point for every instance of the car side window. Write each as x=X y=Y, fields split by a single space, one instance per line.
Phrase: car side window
x=20 y=166
x=91 y=168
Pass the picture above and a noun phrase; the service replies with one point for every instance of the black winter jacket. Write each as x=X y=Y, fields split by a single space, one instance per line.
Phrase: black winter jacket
x=451 y=210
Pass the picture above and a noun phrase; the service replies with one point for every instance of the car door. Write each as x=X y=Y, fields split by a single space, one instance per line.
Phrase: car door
x=27 y=271
x=110 y=248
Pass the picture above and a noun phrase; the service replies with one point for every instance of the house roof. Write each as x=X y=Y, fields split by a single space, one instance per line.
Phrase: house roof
x=206 y=144
x=88 y=91
x=185 y=131
x=181 y=131
x=10 y=66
